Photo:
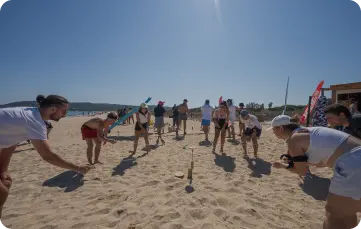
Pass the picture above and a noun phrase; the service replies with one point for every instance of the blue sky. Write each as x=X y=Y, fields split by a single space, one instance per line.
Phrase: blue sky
x=122 y=51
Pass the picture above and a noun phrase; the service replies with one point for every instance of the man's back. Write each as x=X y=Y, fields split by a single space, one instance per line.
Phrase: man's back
x=207 y=112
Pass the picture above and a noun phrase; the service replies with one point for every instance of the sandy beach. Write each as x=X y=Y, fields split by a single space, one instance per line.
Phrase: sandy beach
x=141 y=192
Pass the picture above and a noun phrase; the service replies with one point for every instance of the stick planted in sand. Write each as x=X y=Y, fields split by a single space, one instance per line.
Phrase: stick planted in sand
x=190 y=170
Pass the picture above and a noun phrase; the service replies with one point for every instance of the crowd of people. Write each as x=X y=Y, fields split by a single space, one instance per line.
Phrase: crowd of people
x=337 y=147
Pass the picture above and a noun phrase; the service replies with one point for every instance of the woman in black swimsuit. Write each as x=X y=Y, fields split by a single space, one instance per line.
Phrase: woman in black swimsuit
x=141 y=126
x=220 y=119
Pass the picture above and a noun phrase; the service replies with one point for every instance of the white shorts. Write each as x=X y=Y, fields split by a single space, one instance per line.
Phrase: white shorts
x=346 y=180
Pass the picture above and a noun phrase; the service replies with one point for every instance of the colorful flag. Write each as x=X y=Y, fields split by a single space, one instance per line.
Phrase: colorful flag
x=314 y=100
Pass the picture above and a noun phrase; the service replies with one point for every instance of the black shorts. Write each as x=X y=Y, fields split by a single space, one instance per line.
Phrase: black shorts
x=138 y=128
x=248 y=132
x=221 y=123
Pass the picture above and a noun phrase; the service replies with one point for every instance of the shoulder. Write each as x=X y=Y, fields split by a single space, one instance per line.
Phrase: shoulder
x=253 y=117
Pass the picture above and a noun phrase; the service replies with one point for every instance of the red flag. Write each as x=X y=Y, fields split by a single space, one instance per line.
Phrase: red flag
x=220 y=100
x=315 y=96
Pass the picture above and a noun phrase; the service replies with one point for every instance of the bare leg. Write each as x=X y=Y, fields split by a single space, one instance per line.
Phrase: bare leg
x=185 y=126
x=98 y=146
x=241 y=128
x=216 y=136
x=89 y=151
x=223 y=139
x=146 y=139
x=255 y=146
x=341 y=212
x=6 y=181
x=137 y=134
x=177 y=123
x=206 y=131
x=244 y=144
x=233 y=132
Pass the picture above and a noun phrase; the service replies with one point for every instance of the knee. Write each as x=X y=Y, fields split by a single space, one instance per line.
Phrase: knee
x=90 y=144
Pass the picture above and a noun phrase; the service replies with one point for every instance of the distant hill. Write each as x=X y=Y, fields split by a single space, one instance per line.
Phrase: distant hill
x=79 y=106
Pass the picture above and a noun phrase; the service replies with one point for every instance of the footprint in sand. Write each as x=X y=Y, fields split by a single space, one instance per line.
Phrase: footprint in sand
x=198 y=214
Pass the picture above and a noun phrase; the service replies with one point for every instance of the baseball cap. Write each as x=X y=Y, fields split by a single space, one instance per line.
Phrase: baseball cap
x=244 y=113
x=144 y=105
x=280 y=120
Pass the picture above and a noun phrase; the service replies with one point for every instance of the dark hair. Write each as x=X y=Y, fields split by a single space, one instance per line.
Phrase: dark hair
x=295 y=123
x=337 y=109
x=224 y=103
x=112 y=115
x=50 y=100
x=241 y=105
x=207 y=101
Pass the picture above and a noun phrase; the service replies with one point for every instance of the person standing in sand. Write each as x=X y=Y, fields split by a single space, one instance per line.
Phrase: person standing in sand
x=322 y=146
x=183 y=115
x=141 y=126
x=159 y=112
x=22 y=123
x=252 y=132
x=232 y=119
x=242 y=127
x=206 y=118
x=95 y=131
x=220 y=119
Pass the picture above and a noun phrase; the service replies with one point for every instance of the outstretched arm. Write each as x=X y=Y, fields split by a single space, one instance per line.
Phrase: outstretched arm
x=43 y=148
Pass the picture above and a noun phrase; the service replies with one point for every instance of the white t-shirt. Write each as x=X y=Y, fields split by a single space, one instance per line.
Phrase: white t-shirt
x=20 y=124
x=252 y=122
x=232 y=113
x=207 y=112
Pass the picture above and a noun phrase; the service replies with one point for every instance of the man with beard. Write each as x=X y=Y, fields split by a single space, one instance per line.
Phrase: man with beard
x=22 y=123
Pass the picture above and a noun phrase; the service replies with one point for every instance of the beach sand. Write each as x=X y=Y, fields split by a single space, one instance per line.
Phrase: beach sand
x=142 y=192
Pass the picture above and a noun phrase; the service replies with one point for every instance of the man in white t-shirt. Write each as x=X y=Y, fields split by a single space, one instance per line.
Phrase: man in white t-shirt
x=252 y=132
x=206 y=118
x=232 y=119
x=22 y=123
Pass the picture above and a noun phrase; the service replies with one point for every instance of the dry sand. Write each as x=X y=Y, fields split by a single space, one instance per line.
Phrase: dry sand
x=142 y=192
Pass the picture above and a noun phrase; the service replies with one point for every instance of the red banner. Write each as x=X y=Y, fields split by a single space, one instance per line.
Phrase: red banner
x=220 y=100
x=315 y=96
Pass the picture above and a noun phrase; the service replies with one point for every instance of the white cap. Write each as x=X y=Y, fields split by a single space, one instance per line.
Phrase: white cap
x=280 y=120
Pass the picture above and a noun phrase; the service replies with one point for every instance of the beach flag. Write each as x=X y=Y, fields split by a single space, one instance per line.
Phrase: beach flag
x=314 y=100
x=220 y=100
x=319 y=118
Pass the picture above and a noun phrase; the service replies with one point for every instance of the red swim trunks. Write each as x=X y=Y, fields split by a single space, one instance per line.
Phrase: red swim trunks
x=87 y=132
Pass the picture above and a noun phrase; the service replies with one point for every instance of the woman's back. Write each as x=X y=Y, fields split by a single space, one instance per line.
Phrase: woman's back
x=323 y=143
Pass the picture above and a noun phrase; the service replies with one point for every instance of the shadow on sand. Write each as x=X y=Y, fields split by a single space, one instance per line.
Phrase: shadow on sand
x=189 y=188
x=258 y=166
x=234 y=142
x=69 y=180
x=151 y=147
x=205 y=143
x=316 y=186
x=122 y=138
x=224 y=161
x=125 y=164
x=179 y=138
